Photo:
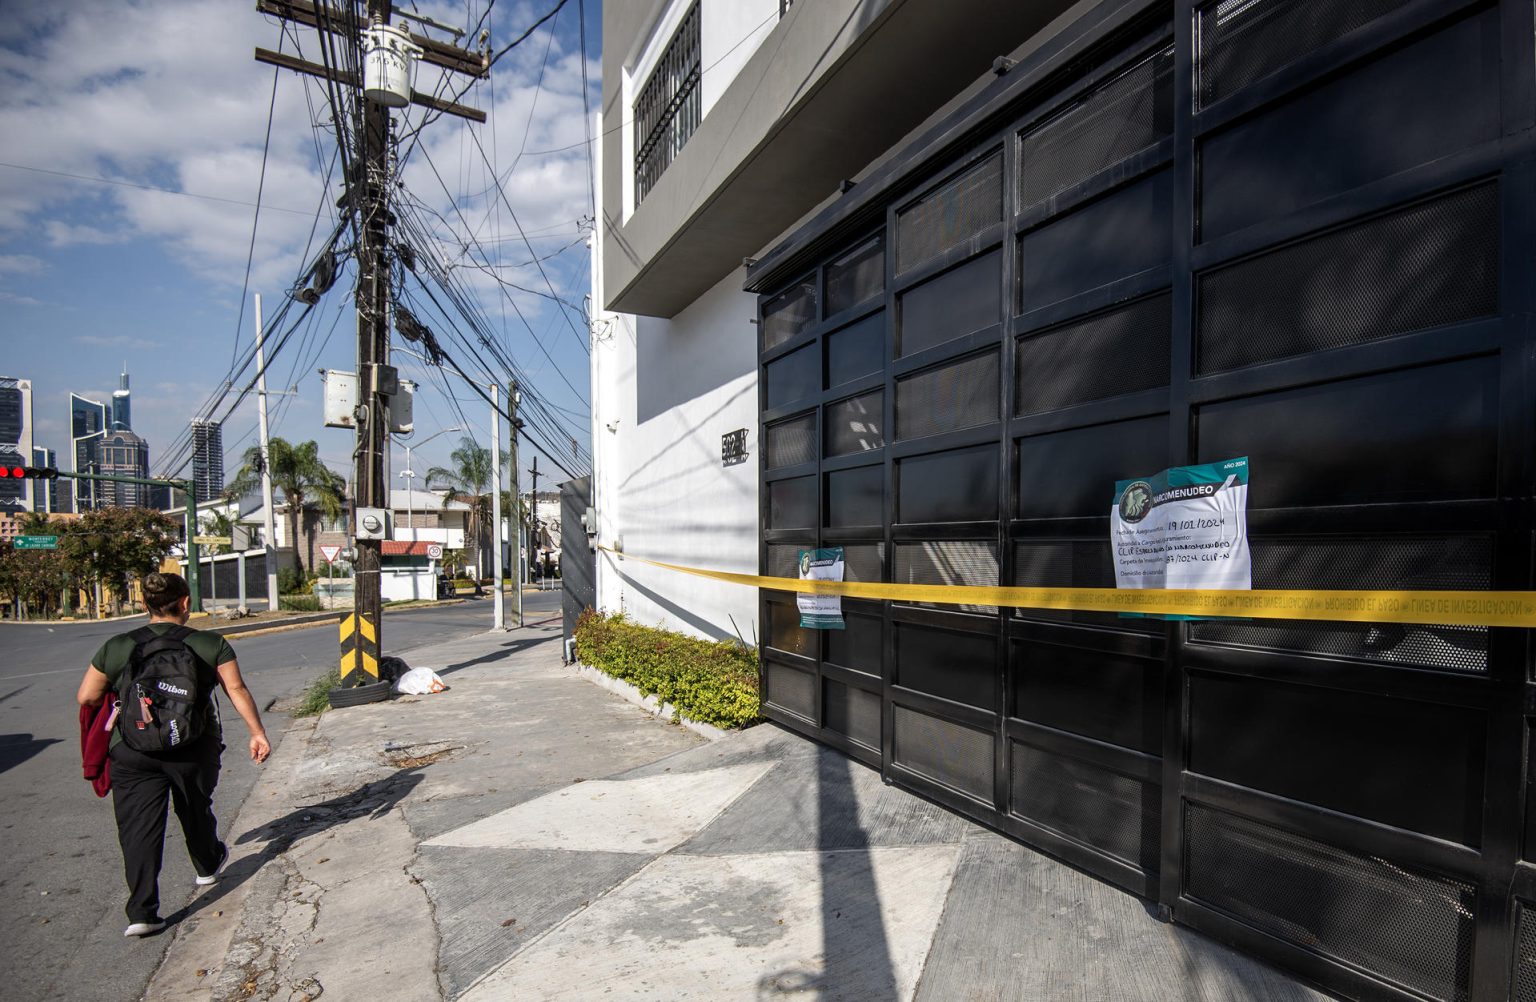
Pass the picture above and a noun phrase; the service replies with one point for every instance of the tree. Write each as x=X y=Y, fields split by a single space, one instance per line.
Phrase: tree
x=298 y=472
x=217 y=523
x=470 y=478
x=114 y=545
x=37 y=577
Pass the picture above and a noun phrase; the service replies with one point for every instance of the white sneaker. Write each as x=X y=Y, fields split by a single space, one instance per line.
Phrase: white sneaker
x=213 y=878
x=144 y=928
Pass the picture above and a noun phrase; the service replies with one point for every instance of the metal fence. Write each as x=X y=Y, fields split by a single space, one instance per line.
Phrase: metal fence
x=1293 y=230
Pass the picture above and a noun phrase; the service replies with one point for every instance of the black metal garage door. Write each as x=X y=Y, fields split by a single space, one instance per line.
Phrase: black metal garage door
x=1294 y=230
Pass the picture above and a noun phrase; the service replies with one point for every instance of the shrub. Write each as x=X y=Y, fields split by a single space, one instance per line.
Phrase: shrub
x=291 y=581
x=317 y=698
x=711 y=682
x=299 y=603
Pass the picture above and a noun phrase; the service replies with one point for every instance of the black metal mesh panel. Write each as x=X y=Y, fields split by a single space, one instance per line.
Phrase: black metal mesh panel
x=785 y=632
x=792 y=503
x=947 y=753
x=791 y=442
x=950 y=214
x=863 y=561
x=1113 y=813
x=958 y=395
x=1423 y=266
x=856 y=424
x=1243 y=41
x=1120 y=351
x=791 y=689
x=852 y=711
x=950 y=562
x=856 y=276
x=1414 y=928
x=784 y=559
x=1072 y=563
x=1115 y=120
x=1525 y=956
x=1407 y=563
x=789 y=313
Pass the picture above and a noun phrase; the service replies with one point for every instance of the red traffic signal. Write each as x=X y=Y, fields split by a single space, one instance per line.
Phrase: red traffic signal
x=8 y=472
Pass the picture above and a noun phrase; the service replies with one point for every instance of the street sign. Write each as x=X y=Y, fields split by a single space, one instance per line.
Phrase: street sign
x=434 y=551
x=37 y=542
x=213 y=540
x=330 y=553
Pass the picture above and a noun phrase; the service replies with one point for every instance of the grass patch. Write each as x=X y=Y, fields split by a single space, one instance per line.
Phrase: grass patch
x=710 y=682
x=317 y=698
x=299 y=603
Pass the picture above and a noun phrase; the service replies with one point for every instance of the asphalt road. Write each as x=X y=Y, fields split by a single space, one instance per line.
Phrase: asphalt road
x=61 y=881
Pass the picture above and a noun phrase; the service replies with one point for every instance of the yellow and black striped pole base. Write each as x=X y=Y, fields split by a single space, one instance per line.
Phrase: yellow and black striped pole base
x=359 y=650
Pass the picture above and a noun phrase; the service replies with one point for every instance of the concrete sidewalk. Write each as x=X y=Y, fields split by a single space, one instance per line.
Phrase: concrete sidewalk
x=527 y=835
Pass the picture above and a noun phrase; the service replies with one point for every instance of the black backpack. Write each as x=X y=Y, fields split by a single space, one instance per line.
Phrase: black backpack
x=165 y=696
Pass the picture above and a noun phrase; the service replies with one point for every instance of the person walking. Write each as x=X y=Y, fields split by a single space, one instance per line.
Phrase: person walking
x=167 y=739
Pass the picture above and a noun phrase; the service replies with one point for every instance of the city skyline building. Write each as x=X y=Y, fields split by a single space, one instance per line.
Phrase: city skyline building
x=15 y=441
x=208 y=459
x=52 y=496
x=87 y=427
x=122 y=410
x=123 y=454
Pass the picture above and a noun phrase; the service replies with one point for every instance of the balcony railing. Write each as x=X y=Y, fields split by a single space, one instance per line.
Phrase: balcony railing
x=669 y=107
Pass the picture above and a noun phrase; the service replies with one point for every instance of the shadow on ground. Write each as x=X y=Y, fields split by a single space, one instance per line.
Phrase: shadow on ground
x=372 y=800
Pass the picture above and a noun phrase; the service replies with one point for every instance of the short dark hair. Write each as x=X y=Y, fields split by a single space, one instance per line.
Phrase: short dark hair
x=162 y=591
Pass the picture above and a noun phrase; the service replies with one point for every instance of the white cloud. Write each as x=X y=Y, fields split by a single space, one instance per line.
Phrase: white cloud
x=11 y=297
x=62 y=234
x=21 y=264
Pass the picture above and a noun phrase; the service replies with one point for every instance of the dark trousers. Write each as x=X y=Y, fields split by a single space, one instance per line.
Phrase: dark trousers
x=140 y=785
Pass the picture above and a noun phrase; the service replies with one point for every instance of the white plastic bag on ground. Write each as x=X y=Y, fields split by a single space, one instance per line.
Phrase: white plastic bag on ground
x=419 y=682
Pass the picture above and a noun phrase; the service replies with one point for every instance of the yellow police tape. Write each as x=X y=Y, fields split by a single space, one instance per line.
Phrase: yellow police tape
x=1437 y=608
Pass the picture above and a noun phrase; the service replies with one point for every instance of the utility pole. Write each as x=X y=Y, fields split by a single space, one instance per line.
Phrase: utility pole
x=514 y=397
x=498 y=601
x=388 y=56
x=361 y=666
x=268 y=538
x=533 y=520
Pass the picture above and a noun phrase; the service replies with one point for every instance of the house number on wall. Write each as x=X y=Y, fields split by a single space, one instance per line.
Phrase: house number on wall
x=733 y=447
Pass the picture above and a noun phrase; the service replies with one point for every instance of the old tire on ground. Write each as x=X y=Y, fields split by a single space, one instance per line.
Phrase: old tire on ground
x=359 y=695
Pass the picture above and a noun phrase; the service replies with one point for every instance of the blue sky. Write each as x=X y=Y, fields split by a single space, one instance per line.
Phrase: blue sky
x=165 y=100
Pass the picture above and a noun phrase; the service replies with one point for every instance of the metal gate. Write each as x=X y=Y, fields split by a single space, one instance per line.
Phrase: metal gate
x=578 y=561
x=1296 y=230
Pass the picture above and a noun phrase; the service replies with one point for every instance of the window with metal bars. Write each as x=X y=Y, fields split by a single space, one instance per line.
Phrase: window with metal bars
x=670 y=105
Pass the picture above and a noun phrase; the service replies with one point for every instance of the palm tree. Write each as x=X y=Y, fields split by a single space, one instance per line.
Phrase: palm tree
x=469 y=477
x=298 y=472
x=217 y=523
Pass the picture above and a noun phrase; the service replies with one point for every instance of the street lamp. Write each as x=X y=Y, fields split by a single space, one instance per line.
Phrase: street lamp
x=410 y=473
x=498 y=606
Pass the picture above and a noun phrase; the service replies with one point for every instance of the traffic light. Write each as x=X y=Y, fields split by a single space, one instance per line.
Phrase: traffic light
x=8 y=472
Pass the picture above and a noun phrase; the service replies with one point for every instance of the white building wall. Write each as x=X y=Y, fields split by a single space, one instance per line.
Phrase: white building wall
x=663 y=394
x=729 y=32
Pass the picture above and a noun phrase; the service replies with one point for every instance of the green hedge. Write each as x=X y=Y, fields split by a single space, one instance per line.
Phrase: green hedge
x=299 y=603
x=713 y=683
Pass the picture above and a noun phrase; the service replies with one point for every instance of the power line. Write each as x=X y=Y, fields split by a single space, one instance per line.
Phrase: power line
x=148 y=187
x=524 y=36
x=261 y=184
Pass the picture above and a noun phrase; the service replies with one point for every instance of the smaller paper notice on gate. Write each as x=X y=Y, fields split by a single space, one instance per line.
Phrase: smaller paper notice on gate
x=1183 y=528
x=821 y=612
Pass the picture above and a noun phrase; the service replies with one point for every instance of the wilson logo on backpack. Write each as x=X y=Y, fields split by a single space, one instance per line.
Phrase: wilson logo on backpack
x=166 y=702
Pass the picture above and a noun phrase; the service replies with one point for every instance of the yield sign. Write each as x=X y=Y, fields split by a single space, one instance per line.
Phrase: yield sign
x=330 y=553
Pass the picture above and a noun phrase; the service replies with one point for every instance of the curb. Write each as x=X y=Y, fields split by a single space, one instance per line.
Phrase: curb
x=304 y=622
x=73 y=622
x=649 y=704
x=235 y=629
